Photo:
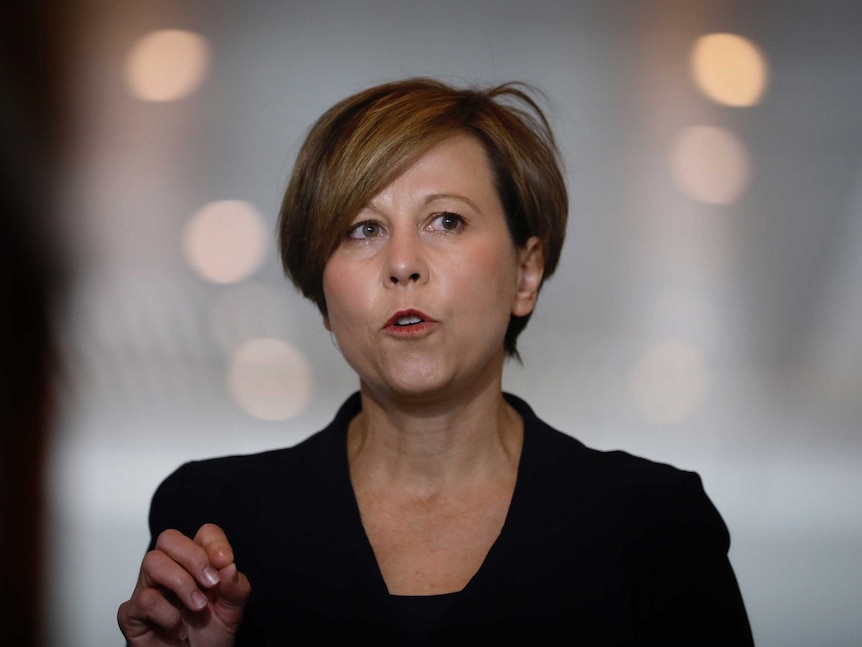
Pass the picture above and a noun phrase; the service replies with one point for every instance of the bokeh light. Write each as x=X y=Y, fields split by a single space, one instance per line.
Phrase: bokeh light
x=167 y=65
x=669 y=383
x=270 y=379
x=729 y=69
x=225 y=241
x=710 y=164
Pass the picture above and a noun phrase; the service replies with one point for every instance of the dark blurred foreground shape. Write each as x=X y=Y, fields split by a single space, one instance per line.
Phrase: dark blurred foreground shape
x=30 y=143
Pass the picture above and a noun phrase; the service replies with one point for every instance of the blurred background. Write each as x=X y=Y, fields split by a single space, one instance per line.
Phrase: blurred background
x=707 y=310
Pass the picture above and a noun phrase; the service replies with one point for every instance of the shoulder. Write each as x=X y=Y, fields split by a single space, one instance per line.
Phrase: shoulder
x=246 y=471
x=230 y=490
x=617 y=522
x=567 y=457
x=251 y=471
x=642 y=495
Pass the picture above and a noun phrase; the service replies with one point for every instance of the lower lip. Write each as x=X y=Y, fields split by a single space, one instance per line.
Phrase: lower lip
x=413 y=330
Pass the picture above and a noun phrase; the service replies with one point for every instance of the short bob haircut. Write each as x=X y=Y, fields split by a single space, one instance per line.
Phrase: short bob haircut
x=367 y=140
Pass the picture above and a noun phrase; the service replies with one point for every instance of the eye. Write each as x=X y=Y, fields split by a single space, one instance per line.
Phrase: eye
x=364 y=230
x=447 y=221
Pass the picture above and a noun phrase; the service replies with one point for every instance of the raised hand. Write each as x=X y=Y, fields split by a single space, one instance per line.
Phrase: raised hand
x=189 y=592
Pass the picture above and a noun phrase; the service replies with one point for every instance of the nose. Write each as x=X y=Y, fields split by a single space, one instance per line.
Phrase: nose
x=405 y=261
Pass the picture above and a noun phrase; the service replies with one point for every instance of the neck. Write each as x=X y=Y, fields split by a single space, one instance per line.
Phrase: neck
x=430 y=448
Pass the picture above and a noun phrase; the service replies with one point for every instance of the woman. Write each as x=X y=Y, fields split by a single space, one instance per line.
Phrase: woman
x=435 y=509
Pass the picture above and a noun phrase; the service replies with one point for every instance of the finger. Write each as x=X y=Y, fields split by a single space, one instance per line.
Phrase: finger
x=160 y=570
x=214 y=542
x=230 y=603
x=148 y=609
x=235 y=587
x=190 y=555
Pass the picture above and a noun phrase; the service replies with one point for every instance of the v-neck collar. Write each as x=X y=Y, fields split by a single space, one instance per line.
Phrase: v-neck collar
x=365 y=560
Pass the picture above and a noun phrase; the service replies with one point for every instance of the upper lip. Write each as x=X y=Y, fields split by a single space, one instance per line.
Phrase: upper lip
x=410 y=312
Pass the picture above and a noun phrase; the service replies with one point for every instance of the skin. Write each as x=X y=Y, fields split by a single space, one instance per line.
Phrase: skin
x=189 y=592
x=434 y=453
x=435 y=240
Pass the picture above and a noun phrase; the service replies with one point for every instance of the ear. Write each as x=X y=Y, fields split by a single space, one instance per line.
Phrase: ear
x=531 y=269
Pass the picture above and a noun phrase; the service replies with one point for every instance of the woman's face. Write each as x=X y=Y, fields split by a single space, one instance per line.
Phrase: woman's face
x=419 y=292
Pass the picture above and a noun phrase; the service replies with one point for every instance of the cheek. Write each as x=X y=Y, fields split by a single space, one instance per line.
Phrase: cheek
x=336 y=287
x=347 y=298
x=494 y=275
x=333 y=291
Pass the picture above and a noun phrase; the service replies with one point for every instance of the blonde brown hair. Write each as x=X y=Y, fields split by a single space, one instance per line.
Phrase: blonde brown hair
x=365 y=141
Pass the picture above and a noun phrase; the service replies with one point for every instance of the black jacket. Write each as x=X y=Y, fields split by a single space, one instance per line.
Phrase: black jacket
x=598 y=548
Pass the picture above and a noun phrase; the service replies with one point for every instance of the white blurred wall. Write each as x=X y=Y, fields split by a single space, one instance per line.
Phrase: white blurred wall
x=722 y=338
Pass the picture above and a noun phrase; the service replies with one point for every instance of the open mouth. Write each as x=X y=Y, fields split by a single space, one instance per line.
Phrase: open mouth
x=407 y=319
x=410 y=320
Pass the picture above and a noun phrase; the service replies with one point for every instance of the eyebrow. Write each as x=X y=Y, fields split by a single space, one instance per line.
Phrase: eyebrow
x=432 y=197
x=450 y=196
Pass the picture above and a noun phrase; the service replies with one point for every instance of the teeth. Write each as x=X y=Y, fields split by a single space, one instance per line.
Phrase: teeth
x=408 y=321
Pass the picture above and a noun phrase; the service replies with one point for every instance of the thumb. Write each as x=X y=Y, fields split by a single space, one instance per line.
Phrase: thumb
x=234 y=590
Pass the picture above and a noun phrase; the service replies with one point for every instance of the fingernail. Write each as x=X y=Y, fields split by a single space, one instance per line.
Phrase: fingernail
x=198 y=601
x=182 y=634
x=232 y=573
x=210 y=576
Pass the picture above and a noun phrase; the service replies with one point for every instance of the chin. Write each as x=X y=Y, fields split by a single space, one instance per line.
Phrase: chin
x=424 y=386
x=424 y=377
x=410 y=381
x=416 y=385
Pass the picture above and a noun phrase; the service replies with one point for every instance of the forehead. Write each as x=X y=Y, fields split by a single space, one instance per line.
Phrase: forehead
x=456 y=167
